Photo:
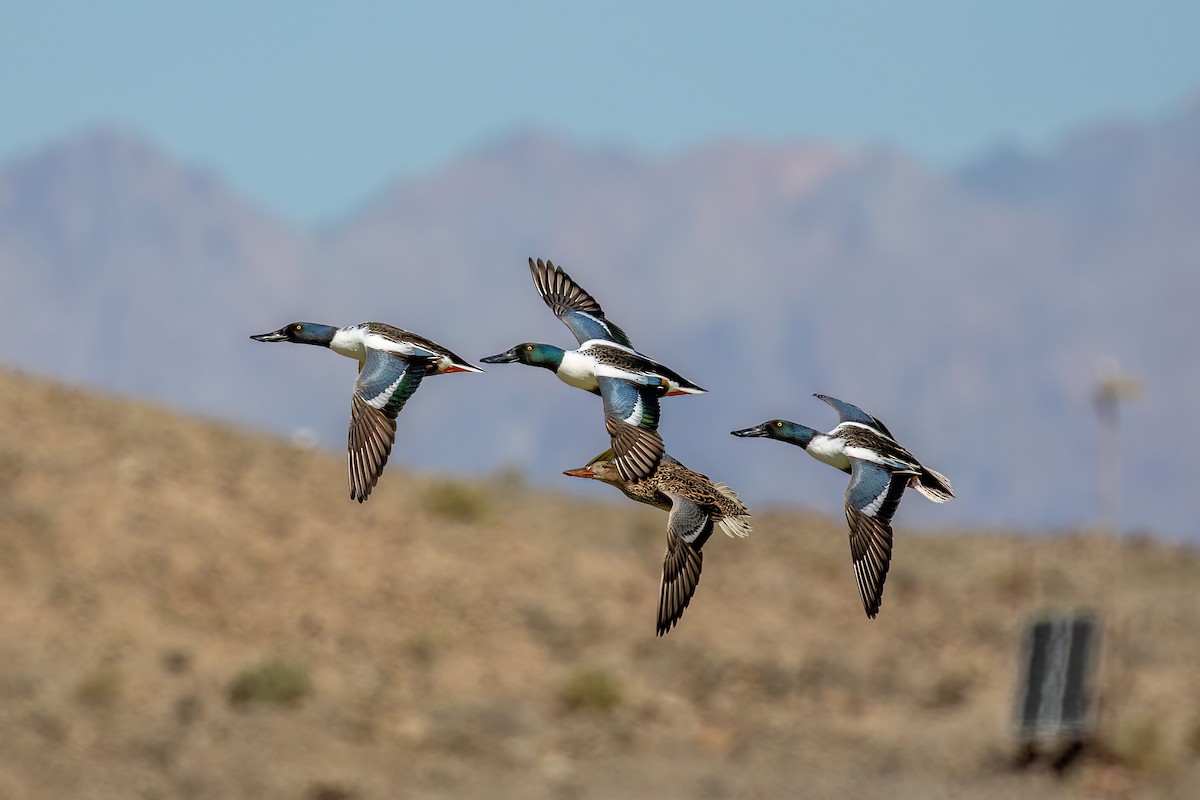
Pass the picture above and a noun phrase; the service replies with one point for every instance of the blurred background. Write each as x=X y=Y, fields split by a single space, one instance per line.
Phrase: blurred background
x=979 y=224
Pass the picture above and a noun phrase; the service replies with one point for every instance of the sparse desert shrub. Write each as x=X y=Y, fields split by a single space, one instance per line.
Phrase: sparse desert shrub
x=1138 y=744
x=322 y=790
x=188 y=709
x=821 y=673
x=1192 y=742
x=559 y=637
x=476 y=729
x=508 y=478
x=591 y=688
x=886 y=678
x=456 y=501
x=176 y=661
x=1012 y=581
x=273 y=682
x=12 y=464
x=771 y=679
x=702 y=674
x=102 y=688
x=902 y=582
x=425 y=645
x=949 y=691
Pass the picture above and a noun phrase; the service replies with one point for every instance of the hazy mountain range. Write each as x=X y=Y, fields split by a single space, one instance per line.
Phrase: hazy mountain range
x=967 y=309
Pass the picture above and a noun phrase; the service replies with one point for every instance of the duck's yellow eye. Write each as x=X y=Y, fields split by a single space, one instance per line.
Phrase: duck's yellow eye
x=298 y=327
x=528 y=347
x=778 y=424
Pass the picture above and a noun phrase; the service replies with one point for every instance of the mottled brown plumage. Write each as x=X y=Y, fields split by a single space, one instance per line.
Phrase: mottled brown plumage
x=695 y=505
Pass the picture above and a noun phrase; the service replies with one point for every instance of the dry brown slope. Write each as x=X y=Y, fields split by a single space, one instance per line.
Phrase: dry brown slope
x=147 y=560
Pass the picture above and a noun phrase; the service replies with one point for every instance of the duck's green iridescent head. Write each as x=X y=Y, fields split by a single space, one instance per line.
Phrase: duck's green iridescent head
x=782 y=429
x=534 y=354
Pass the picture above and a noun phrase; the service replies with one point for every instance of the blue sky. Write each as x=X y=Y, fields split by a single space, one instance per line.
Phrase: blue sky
x=309 y=109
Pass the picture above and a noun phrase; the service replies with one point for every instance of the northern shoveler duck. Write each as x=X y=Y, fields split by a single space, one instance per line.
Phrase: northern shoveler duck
x=695 y=504
x=391 y=364
x=880 y=469
x=605 y=364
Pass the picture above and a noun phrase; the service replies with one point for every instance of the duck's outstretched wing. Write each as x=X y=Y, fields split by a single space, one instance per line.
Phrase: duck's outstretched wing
x=385 y=382
x=578 y=310
x=848 y=412
x=631 y=419
x=688 y=527
x=871 y=499
x=411 y=345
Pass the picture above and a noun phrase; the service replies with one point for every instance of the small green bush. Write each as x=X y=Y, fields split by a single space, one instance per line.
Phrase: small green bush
x=456 y=501
x=1138 y=744
x=331 y=791
x=426 y=645
x=591 y=688
x=510 y=478
x=1011 y=582
x=1193 y=739
x=102 y=688
x=274 y=682
x=949 y=691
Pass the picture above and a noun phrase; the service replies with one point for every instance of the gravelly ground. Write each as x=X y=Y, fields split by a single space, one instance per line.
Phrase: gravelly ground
x=479 y=640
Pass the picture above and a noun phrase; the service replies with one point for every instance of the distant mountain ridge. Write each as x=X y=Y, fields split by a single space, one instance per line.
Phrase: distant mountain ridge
x=967 y=309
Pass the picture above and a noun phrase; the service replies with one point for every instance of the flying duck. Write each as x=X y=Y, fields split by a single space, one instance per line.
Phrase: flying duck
x=880 y=469
x=391 y=364
x=606 y=364
x=695 y=504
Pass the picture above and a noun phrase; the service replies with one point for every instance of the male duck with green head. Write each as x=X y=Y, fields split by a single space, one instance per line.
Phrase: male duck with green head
x=605 y=364
x=392 y=362
x=880 y=470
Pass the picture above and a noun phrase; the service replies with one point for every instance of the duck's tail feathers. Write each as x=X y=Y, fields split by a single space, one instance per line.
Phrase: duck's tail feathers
x=932 y=484
x=685 y=387
x=463 y=367
x=736 y=525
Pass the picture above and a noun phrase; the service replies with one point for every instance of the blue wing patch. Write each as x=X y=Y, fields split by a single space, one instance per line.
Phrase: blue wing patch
x=587 y=326
x=631 y=419
x=871 y=500
x=875 y=491
x=386 y=382
x=630 y=403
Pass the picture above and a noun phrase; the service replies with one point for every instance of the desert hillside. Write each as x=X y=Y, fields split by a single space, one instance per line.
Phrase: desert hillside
x=197 y=611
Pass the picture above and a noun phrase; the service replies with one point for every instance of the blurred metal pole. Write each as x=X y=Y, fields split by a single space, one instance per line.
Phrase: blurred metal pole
x=1111 y=389
x=1110 y=461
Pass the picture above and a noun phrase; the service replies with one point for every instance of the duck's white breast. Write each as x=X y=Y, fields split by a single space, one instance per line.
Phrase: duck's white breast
x=349 y=342
x=830 y=450
x=578 y=371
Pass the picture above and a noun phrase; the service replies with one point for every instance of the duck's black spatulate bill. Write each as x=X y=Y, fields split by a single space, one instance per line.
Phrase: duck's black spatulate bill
x=274 y=336
x=757 y=430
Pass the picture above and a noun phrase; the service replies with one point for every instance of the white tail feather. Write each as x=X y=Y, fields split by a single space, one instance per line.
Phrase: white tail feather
x=736 y=526
x=728 y=492
x=936 y=489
